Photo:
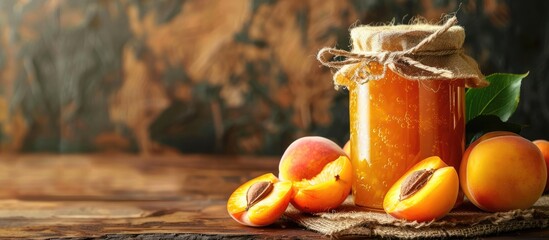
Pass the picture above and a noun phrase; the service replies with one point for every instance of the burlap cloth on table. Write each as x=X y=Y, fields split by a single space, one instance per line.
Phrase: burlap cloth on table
x=464 y=221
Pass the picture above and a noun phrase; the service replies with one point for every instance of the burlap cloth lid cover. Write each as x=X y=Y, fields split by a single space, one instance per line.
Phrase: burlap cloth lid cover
x=416 y=52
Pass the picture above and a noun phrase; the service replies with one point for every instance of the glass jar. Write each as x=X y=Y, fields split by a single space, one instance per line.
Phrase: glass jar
x=397 y=122
x=407 y=100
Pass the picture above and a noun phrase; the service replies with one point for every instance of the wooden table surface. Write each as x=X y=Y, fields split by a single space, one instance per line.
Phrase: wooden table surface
x=127 y=196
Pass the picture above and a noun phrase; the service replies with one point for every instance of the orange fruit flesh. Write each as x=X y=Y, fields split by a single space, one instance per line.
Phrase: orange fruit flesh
x=432 y=201
x=327 y=190
x=269 y=209
x=327 y=174
x=266 y=211
x=433 y=162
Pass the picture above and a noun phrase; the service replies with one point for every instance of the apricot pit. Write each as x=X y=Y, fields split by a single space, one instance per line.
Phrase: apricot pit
x=414 y=183
x=257 y=192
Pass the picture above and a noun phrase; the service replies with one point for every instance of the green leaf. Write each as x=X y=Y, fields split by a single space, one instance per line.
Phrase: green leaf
x=500 y=98
x=483 y=124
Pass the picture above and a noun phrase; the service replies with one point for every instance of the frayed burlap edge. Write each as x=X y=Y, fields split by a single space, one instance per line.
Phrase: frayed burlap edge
x=472 y=231
x=465 y=221
x=415 y=52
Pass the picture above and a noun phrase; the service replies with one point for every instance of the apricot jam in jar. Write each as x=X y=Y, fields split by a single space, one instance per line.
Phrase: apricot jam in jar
x=397 y=122
x=407 y=98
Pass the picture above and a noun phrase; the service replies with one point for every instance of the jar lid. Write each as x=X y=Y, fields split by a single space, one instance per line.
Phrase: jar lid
x=404 y=37
x=411 y=51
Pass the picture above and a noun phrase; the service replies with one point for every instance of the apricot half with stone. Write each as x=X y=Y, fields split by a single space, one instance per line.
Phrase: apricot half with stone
x=426 y=192
x=260 y=201
x=327 y=190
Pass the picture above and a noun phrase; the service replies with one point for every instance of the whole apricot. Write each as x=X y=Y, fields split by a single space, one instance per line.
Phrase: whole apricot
x=543 y=146
x=486 y=136
x=306 y=157
x=503 y=173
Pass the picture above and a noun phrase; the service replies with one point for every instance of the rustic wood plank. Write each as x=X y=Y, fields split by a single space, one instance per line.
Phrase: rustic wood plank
x=31 y=219
x=132 y=197
x=126 y=177
x=127 y=196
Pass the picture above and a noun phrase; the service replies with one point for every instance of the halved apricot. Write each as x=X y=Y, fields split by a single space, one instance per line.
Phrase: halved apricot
x=260 y=201
x=327 y=190
x=428 y=191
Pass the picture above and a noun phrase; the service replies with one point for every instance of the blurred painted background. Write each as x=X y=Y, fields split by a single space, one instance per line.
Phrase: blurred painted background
x=218 y=76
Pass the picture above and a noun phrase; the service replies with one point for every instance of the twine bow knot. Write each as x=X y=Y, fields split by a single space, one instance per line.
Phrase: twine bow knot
x=389 y=58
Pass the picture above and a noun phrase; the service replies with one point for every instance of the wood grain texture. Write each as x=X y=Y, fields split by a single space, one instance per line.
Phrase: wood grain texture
x=119 y=196
x=115 y=196
x=98 y=219
x=127 y=177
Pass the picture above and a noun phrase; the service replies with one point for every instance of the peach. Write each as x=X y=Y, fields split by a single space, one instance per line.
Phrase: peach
x=325 y=191
x=426 y=192
x=503 y=173
x=306 y=157
x=260 y=201
x=543 y=146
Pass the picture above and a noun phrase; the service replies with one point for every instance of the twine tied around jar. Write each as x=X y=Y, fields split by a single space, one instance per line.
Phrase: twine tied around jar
x=390 y=58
